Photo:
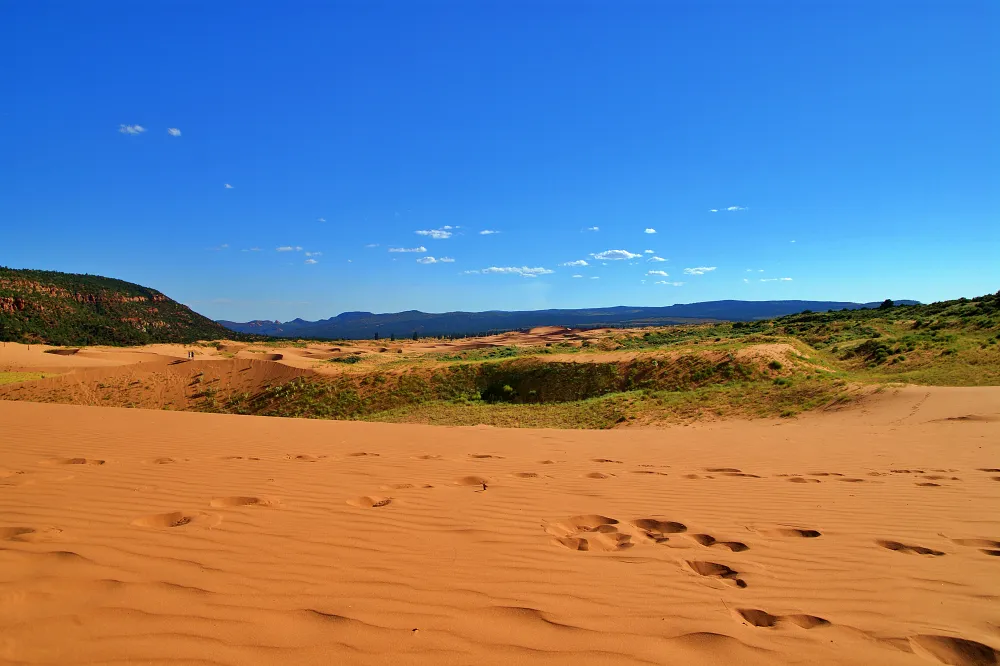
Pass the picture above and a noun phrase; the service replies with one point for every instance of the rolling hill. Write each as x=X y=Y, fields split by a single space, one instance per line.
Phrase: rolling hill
x=71 y=309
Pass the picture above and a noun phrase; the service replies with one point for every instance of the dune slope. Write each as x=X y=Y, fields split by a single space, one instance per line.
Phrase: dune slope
x=867 y=536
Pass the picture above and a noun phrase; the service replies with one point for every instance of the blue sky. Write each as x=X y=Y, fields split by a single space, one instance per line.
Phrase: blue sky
x=852 y=147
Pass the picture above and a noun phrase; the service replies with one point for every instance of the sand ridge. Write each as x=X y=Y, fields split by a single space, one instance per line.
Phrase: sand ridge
x=129 y=534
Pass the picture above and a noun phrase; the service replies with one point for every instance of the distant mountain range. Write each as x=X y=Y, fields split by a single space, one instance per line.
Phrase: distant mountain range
x=361 y=325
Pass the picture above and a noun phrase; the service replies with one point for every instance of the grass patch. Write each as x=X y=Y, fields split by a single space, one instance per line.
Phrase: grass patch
x=18 y=377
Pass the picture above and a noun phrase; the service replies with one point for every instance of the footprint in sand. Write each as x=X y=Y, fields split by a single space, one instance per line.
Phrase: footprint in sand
x=716 y=570
x=989 y=469
x=598 y=475
x=546 y=462
x=794 y=532
x=73 y=461
x=954 y=651
x=179 y=519
x=904 y=548
x=606 y=460
x=363 y=454
x=710 y=541
x=657 y=530
x=525 y=475
x=230 y=502
x=28 y=534
x=370 y=501
x=759 y=618
x=589 y=532
x=724 y=470
x=800 y=479
x=986 y=546
x=484 y=456
x=472 y=481
x=428 y=456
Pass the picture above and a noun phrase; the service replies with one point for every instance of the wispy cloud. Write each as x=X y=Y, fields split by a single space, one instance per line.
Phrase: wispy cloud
x=173 y=131
x=755 y=270
x=733 y=209
x=131 y=129
x=288 y=248
x=311 y=261
x=614 y=255
x=577 y=276
x=650 y=230
x=594 y=277
x=592 y=229
x=713 y=210
x=321 y=219
x=437 y=234
x=228 y=186
x=776 y=279
x=672 y=284
x=578 y=262
x=648 y=252
x=791 y=241
x=698 y=270
x=488 y=232
x=660 y=273
x=314 y=254
x=252 y=249
x=523 y=271
x=372 y=245
x=432 y=260
x=408 y=249
x=655 y=259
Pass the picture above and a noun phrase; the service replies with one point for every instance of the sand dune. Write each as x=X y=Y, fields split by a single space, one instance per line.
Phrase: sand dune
x=869 y=536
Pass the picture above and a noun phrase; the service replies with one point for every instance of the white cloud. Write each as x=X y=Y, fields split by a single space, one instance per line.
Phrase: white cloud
x=733 y=209
x=713 y=210
x=672 y=284
x=311 y=261
x=791 y=241
x=523 y=271
x=372 y=245
x=648 y=252
x=615 y=254
x=314 y=254
x=578 y=262
x=173 y=131
x=408 y=249
x=131 y=129
x=288 y=248
x=437 y=234
x=660 y=273
x=776 y=279
x=432 y=260
x=699 y=270
x=253 y=249
x=746 y=280
x=228 y=186
x=650 y=230
x=594 y=277
x=488 y=232
x=655 y=259
x=321 y=219
x=592 y=229
x=577 y=276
